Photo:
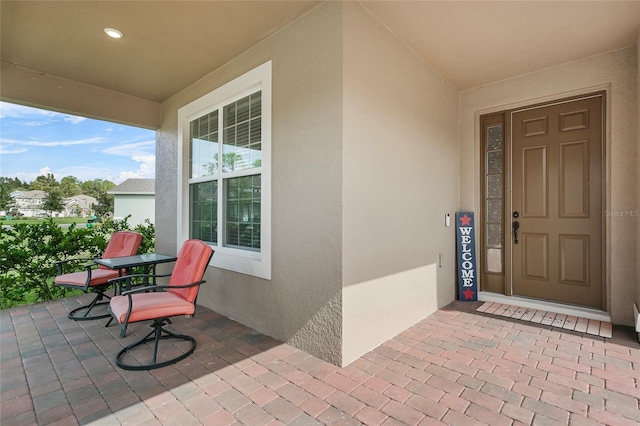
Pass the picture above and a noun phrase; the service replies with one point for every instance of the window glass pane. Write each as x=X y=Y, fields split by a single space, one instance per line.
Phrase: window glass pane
x=204 y=211
x=494 y=186
x=242 y=110
x=494 y=260
x=256 y=105
x=494 y=162
x=494 y=235
x=255 y=135
x=203 y=152
x=494 y=211
x=242 y=206
x=494 y=138
x=242 y=145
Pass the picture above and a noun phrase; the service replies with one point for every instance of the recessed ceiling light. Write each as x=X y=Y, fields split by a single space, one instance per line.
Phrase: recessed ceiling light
x=113 y=33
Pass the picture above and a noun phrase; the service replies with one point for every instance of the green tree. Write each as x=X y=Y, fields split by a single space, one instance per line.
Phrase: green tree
x=12 y=184
x=95 y=187
x=105 y=204
x=44 y=183
x=53 y=202
x=7 y=186
x=5 y=190
x=70 y=186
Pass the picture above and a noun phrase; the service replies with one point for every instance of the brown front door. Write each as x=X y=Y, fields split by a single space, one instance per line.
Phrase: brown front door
x=556 y=155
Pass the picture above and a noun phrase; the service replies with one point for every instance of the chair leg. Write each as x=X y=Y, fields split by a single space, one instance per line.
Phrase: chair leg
x=123 y=326
x=159 y=333
x=75 y=314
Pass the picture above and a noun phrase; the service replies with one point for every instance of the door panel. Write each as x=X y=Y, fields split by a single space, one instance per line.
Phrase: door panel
x=556 y=190
x=574 y=259
x=574 y=179
x=536 y=256
x=534 y=181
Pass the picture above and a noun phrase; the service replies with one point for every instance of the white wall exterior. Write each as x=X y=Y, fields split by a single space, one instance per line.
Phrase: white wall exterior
x=302 y=303
x=139 y=206
x=400 y=177
x=616 y=72
x=356 y=230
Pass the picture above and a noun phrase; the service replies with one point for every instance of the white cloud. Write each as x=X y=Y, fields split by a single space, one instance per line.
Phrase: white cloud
x=25 y=177
x=30 y=177
x=74 y=119
x=5 y=150
x=131 y=149
x=87 y=141
x=44 y=171
x=8 y=110
x=38 y=123
x=140 y=152
x=146 y=170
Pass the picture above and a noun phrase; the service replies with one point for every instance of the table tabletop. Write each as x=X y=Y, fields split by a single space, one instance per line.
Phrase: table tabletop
x=146 y=259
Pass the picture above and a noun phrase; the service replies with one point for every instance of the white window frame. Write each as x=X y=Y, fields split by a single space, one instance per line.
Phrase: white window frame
x=248 y=262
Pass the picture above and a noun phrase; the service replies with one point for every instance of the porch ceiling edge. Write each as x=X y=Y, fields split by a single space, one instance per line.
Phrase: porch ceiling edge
x=33 y=88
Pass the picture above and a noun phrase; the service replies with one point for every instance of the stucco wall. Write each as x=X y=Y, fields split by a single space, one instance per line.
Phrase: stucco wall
x=617 y=73
x=140 y=207
x=638 y=180
x=301 y=304
x=400 y=178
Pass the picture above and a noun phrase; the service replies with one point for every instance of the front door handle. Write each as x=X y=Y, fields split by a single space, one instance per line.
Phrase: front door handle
x=515 y=225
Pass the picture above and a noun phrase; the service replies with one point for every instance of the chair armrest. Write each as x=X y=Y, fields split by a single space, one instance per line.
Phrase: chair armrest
x=59 y=263
x=159 y=287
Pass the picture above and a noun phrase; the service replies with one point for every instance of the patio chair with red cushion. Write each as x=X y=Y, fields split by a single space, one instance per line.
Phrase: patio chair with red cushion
x=158 y=303
x=95 y=277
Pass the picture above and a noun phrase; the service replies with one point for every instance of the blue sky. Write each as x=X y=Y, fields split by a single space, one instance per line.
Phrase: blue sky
x=35 y=142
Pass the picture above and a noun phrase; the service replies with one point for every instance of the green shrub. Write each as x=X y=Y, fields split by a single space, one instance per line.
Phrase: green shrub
x=29 y=252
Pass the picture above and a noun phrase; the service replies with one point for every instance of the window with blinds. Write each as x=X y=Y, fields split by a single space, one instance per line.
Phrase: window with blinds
x=237 y=174
x=224 y=141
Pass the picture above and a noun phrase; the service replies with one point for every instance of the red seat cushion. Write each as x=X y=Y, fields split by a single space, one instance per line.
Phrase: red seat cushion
x=98 y=277
x=148 y=306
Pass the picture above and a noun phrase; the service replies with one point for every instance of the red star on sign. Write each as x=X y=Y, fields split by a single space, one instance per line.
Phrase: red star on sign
x=465 y=220
x=468 y=294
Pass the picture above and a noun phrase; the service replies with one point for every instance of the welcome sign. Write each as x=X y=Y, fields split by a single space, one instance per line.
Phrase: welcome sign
x=466 y=243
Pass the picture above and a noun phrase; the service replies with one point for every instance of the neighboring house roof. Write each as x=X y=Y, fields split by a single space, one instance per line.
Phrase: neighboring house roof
x=29 y=194
x=135 y=186
x=84 y=201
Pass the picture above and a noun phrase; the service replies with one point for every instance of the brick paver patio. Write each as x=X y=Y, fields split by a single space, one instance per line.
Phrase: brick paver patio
x=456 y=367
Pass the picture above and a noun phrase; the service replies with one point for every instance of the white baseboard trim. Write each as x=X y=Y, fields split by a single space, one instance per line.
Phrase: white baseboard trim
x=636 y=317
x=558 y=308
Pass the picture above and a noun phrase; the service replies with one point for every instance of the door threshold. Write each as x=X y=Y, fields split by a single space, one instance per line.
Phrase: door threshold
x=558 y=308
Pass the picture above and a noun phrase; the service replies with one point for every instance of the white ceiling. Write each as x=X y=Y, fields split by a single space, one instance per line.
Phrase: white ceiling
x=168 y=45
x=472 y=43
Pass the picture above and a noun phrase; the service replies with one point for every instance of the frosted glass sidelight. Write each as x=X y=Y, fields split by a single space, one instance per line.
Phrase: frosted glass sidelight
x=494 y=138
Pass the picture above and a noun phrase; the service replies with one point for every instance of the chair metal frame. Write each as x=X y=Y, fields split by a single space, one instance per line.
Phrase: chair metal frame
x=158 y=332
x=100 y=289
